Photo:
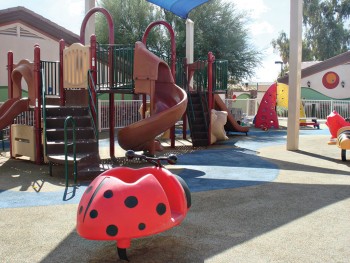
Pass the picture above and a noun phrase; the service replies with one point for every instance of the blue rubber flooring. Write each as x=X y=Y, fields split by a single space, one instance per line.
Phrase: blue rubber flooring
x=235 y=164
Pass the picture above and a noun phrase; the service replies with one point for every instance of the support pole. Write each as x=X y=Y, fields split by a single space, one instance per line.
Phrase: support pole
x=9 y=73
x=296 y=11
x=61 y=87
x=189 y=60
x=189 y=40
x=211 y=60
x=90 y=27
x=37 y=108
x=10 y=85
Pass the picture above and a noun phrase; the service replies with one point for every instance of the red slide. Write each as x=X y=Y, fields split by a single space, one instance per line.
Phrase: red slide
x=231 y=124
x=10 y=110
x=168 y=102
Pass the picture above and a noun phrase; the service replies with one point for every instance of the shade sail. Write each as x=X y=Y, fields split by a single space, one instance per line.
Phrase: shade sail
x=180 y=8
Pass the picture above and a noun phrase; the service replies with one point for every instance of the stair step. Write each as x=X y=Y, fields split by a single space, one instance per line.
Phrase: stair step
x=201 y=142
x=87 y=155
x=60 y=158
x=82 y=146
x=63 y=111
x=80 y=133
x=199 y=135
x=58 y=121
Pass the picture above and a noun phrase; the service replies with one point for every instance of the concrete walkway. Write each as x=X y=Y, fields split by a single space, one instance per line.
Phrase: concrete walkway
x=252 y=201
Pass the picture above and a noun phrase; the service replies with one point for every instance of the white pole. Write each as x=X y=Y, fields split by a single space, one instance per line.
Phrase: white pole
x=189 y=43
x=296 y=11
x=189 y=40
x=90 y=27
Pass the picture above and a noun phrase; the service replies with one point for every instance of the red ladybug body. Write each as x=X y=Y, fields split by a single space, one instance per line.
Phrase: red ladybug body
x=125 y=203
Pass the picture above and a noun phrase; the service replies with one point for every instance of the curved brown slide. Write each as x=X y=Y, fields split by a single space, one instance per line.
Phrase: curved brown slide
x=10 y=110
x=168 y=102
x=231 y=124
x=14 y=106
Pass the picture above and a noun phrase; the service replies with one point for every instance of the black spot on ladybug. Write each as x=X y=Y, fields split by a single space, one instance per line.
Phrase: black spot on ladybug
x=88 y=190
x=108 y=194
x=80 y=209
x=142 y=226
x=112 y=230
x=161 y=209
x=131 y=201
x=93 y=213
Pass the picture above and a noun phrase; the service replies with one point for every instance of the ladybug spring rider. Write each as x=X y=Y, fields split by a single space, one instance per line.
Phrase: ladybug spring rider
x=124 y=203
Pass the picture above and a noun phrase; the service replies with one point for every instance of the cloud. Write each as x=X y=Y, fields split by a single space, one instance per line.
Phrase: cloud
x=256 y=8
x=66 y=13
x=76 y=7
x=261 y=27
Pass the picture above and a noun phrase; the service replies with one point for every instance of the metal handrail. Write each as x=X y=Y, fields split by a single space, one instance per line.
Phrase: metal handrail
x=43 y=96
x=93 y=107
x=66 y=144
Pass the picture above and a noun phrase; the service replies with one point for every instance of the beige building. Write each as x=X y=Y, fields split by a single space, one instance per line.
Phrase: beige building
x=20 y=30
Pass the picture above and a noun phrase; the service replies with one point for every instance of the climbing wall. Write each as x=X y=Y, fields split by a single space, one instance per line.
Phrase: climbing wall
x=282 y=100
x=266 y=117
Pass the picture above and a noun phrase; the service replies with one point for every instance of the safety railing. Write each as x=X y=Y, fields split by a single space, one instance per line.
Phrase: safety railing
x=93 y=103
x=122 y=57
x=50 y=76
x=318 y=109
x=127 y=112
x=70 y=144
x=43 y=96
x=220 y=76
x=242 y=107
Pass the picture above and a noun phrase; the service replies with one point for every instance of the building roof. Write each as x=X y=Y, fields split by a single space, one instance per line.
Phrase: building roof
x=321 y=66
x=37 y=22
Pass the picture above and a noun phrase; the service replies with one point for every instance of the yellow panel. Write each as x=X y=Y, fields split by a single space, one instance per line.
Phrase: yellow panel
x=282 y=99
x=23 y=141
x=76 y=63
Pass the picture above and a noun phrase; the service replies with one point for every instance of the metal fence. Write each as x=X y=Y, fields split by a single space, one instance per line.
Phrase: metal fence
x=128 y=111
x=318 y=109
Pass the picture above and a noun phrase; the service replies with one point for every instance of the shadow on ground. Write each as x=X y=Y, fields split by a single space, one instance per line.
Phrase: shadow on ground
x=218 y=221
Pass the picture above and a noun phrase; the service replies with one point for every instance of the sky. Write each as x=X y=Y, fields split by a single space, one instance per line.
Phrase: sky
x=267 y=18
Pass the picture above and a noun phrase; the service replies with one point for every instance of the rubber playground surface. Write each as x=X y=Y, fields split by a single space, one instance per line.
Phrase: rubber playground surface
x=252 y=201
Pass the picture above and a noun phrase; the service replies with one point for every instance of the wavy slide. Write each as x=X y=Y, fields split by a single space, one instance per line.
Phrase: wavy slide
x=231 y=124
x=168 y=102
x=11 y=109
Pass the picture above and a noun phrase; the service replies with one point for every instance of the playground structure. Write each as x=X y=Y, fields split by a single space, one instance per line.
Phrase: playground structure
x=277 y=96
x=70 y=87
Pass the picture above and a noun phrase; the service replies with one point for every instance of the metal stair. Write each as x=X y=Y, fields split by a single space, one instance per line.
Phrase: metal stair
x=87 y=154
x=197 y=114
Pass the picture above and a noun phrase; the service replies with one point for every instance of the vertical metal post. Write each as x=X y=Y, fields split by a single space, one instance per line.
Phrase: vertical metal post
x=62 y=93
x=9 y=73
x=211 y=60
x=37 y=108
x=296 y=12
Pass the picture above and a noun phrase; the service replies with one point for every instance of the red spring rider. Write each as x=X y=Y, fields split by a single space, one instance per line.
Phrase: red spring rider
x=124 y=203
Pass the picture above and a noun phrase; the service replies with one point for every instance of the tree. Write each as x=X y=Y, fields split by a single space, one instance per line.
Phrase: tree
x=281 y=45
x=324 y=24
x=219 y=28
x=325 y=35
x=130 y=18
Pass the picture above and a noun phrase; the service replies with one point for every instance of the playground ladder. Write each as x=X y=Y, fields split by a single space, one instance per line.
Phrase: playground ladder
x=197 y=113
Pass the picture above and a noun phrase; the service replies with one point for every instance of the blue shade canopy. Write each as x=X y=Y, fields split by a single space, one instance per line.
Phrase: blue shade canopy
x=180 y=8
